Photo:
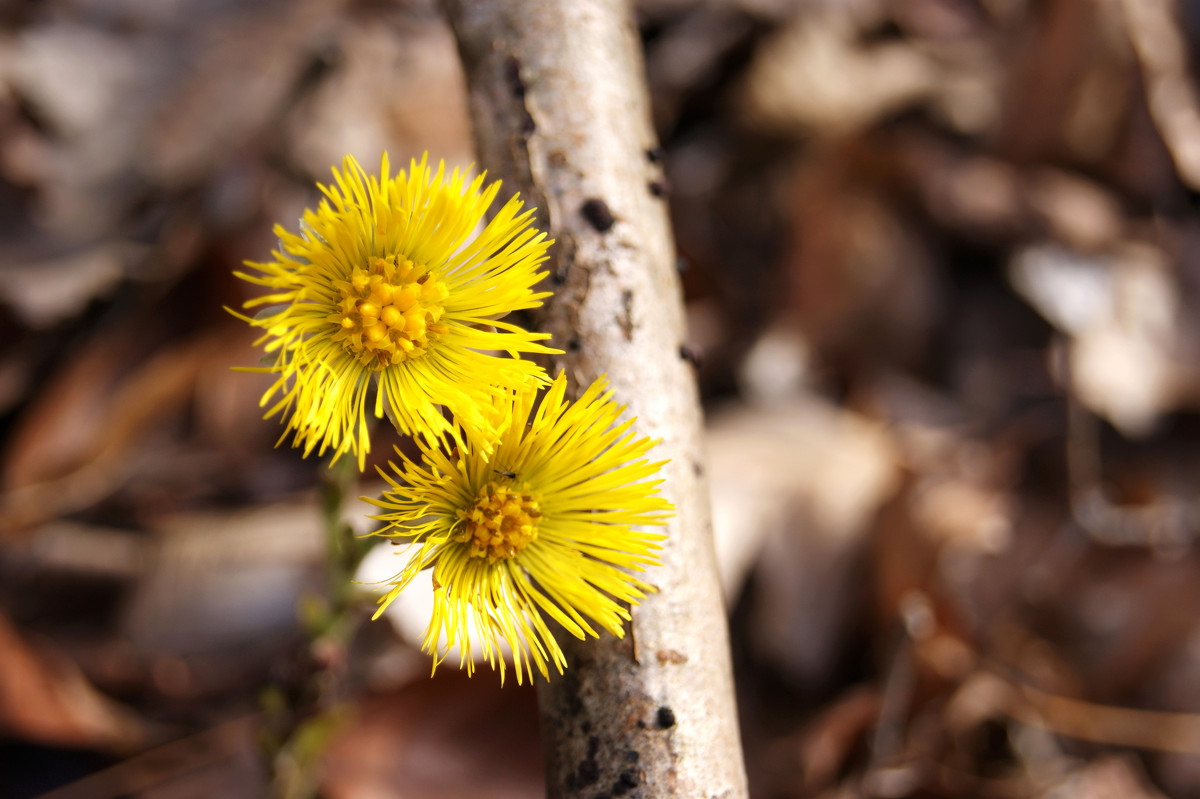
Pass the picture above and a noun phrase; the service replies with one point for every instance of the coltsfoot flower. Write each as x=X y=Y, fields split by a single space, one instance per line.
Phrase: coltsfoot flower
x=545 y=527
x=389 y=286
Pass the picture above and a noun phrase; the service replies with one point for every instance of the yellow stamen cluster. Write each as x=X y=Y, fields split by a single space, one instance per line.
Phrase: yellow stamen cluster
x=389 y=311
x=501 y=523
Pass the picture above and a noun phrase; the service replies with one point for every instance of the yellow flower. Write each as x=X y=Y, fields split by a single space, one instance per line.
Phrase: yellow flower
x=389 y=285
x=544 y=527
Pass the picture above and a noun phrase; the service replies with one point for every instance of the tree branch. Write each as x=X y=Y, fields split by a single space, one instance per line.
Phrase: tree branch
x=561 y=113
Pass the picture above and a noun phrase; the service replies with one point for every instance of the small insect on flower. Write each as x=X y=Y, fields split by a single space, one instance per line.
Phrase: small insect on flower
x=547 y=526
x=390 y=284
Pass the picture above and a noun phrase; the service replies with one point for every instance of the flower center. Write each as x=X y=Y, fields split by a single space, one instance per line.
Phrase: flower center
x=389 y=311
x=501 y=523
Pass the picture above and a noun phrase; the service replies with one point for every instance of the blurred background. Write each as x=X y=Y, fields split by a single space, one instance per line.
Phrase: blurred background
x=941 y=273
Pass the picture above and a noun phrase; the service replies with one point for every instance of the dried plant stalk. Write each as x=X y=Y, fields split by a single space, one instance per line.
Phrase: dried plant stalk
x=561 y=113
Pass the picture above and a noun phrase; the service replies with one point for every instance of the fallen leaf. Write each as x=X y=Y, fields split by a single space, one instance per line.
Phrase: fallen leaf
x=46 y=699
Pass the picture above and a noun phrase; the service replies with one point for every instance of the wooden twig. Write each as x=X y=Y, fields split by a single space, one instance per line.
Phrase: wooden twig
x=1156 y=730
x=561 y=113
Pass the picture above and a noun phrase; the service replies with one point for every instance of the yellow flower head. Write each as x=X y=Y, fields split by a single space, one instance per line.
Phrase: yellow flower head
x=544 y=527
x=390 y=283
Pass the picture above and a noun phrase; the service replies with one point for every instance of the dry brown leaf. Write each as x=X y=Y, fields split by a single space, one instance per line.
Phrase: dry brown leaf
x=45 y=698
x=795 y=488
x=367 y=104
x=223 y=580
x=449 y=736
x=73 y=448
x=240 y=83
x=1110 y=778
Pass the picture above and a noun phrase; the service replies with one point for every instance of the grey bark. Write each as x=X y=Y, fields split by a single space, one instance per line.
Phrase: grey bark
x=561 y=113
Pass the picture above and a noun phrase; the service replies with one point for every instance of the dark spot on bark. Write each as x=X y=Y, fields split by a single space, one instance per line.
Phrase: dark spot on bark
x=512 y=73
x=564 y=259
x=660 y=187
x=665 y=718
x=598 y=214
x=570 y=695
x=690 y=355
x=670 y=656
x=626 y=318
x=586 y=726
x=625 y=783
x=587 y=774
x=632 y=755
x=641 y=725
x=654 y=155
x=573 y=345
x=593 y=747
x=698 y=468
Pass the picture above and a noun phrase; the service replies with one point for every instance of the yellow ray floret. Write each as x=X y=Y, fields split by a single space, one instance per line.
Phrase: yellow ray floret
x=392 y=288
x=547 y=526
